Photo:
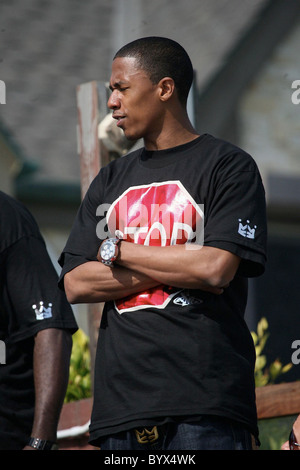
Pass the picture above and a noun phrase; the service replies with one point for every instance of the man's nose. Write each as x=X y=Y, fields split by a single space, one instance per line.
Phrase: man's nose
x=113 y=101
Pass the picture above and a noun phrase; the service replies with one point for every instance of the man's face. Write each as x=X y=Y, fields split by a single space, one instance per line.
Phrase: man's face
x=134 y=100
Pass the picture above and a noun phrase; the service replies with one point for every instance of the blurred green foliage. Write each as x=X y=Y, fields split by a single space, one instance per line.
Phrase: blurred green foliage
x=265 y=375
x=273 y=432
x=79 y=385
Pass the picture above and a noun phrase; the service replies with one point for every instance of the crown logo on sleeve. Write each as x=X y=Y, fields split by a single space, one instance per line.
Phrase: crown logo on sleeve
x=246 y=230
x=42 y=312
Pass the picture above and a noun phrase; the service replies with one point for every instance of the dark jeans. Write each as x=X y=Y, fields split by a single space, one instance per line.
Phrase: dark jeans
x=209 y=433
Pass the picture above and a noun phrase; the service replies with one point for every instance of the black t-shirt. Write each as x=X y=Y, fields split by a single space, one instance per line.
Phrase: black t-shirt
x=168 y=353
x=29 y=302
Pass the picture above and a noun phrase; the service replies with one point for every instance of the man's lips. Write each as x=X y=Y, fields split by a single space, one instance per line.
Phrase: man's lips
x=119 y=118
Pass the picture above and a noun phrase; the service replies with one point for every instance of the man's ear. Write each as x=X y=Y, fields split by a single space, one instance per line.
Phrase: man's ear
x=167 y=88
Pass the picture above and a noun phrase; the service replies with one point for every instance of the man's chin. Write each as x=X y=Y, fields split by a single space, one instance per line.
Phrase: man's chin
x=128 y=140
x=130 y=137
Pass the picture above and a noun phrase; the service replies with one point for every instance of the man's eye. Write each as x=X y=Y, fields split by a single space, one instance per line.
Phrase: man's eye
x=121 y=89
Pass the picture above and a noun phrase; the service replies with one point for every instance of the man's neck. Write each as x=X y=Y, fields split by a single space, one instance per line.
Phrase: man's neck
x=171 y=138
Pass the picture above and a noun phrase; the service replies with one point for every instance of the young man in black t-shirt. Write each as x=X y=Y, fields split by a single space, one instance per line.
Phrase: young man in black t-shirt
x=186 y=226
x=36 y=323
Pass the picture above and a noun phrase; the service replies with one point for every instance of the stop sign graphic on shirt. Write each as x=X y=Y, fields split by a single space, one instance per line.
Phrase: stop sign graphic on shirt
x=158 y=214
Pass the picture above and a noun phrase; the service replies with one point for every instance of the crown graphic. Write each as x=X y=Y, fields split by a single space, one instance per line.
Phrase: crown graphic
x=42 y=312
x=246 y=230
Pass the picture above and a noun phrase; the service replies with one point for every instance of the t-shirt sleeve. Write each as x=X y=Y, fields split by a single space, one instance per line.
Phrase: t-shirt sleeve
x=84 y=240
x=32 y=299
x=235 y=219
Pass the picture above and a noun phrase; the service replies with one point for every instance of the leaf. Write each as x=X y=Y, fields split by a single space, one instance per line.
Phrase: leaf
x=264 y=376
x=262 y=326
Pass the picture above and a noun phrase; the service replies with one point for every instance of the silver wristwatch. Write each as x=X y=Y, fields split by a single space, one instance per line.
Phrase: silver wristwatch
x=109 y=251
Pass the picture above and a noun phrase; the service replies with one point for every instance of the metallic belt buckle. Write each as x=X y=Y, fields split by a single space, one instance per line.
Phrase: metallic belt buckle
x=147 y=436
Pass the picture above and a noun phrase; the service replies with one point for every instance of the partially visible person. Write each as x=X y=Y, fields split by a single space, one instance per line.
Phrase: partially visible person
x=294 y=439
x=36 y=326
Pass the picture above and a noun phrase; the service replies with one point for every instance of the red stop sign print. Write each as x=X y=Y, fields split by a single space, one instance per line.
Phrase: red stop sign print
x=158 y=214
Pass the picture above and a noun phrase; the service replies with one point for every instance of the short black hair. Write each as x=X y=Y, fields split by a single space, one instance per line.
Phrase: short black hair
x=162 y=57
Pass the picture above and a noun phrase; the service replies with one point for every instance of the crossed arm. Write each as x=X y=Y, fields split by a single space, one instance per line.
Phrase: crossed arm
x=140 y=267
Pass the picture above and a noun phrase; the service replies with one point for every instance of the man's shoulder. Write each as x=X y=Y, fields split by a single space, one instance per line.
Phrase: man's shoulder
x=117 y=164
x=223 y=152
x=16 y=221
x=223 y=145
x=126 y=159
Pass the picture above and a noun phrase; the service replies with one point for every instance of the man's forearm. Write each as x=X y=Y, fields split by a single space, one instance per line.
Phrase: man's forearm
x=94 y=282
x=51 y=372
x=184 y=266
x=140 y=267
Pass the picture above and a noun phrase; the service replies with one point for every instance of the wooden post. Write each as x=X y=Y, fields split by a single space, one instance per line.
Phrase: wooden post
x=91 y=107
x=88 y=145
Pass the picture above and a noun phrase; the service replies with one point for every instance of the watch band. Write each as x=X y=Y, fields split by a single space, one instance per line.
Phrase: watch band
x=42 y=444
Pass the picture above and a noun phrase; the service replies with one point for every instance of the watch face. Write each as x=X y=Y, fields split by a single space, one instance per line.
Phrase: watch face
x=107 y=250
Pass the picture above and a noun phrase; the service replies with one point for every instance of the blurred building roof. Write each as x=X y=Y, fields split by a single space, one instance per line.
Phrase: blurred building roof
x=47 y=48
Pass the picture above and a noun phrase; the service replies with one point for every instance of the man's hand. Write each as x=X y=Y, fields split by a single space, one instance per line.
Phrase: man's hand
x=296 y=429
